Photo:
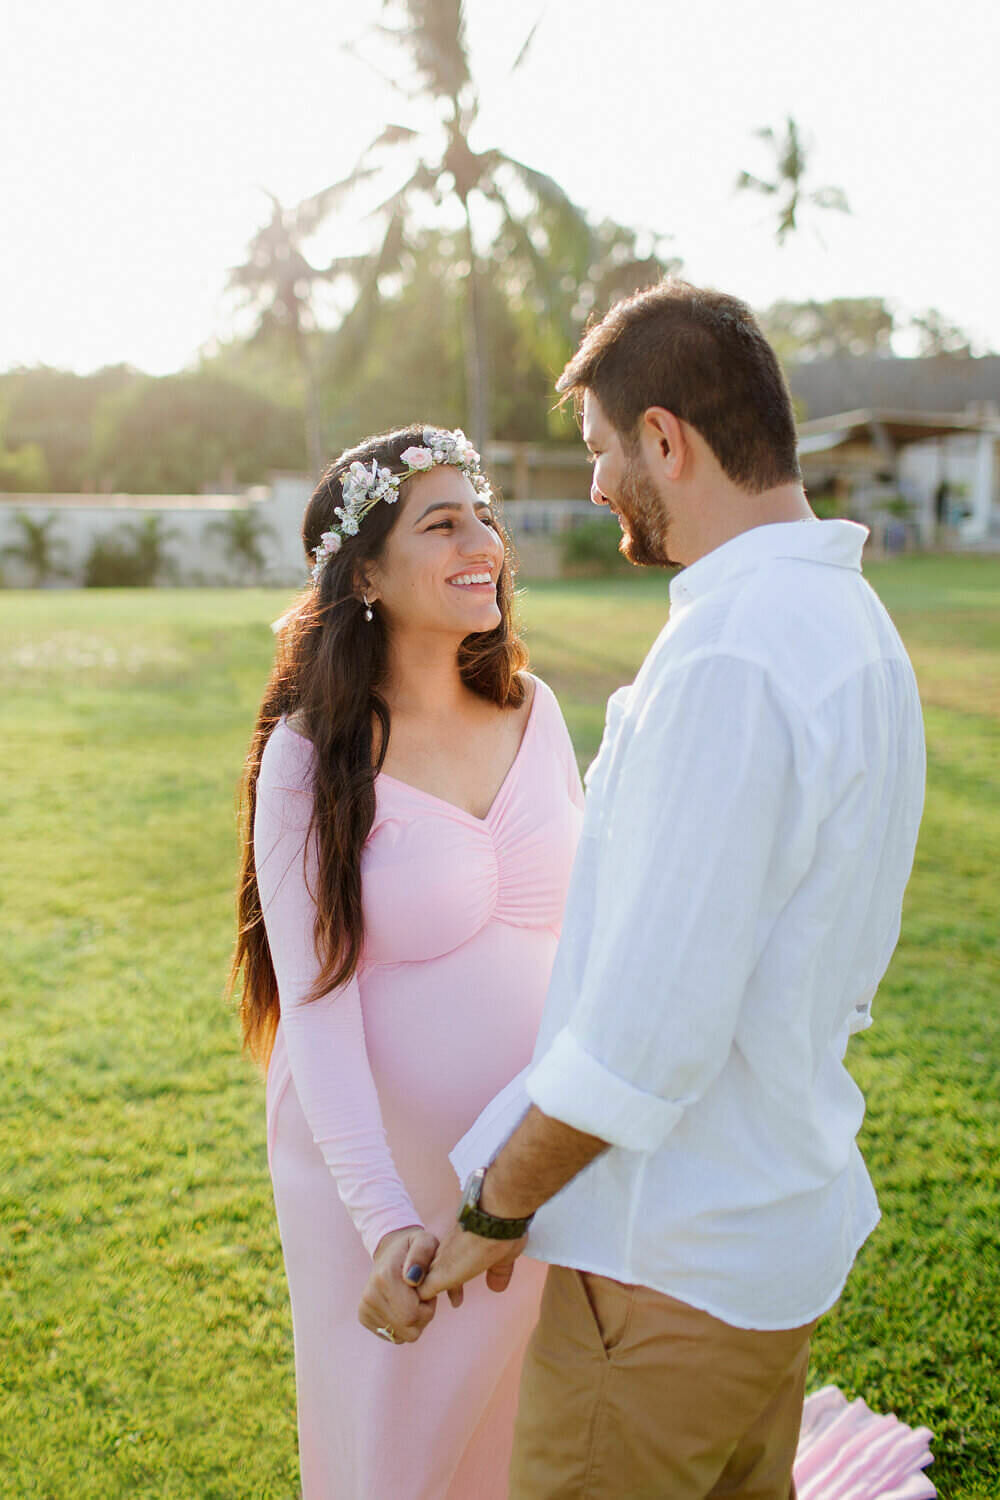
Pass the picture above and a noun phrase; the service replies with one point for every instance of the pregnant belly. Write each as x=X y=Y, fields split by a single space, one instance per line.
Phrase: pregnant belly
x=444 y=1036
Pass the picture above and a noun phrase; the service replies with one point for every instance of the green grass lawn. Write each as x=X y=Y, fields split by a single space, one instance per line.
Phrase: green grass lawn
x=146 y=1340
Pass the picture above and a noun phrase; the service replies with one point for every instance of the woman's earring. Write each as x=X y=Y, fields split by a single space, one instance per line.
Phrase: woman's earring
x=369 y=616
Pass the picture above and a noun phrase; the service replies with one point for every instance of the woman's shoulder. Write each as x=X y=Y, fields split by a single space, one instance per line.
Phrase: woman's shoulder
x=540 y=699
x=287 y=758
x=545 y=714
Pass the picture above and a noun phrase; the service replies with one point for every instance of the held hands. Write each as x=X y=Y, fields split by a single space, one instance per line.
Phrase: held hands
x=390 y=1302
x=402 y=1302
x=463 y=1256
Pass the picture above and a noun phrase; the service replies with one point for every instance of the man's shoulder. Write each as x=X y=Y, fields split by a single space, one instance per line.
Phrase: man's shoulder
x=812 y=626
x=808 y=626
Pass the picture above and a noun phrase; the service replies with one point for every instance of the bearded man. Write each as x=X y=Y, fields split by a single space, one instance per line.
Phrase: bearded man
x=684 y=1139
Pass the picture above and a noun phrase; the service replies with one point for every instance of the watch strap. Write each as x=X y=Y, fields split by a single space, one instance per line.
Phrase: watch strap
x=477 y=1221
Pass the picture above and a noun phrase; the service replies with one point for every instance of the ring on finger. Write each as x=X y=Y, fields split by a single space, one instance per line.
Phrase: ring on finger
x=388 y=1333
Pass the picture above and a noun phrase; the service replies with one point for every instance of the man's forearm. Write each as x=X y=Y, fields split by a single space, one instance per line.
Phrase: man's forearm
x=541 y=1156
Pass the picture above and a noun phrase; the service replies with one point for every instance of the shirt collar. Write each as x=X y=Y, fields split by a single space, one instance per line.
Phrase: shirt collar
x=836 y=543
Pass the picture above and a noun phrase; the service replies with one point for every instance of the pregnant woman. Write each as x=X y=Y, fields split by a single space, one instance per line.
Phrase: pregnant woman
x=413 y=808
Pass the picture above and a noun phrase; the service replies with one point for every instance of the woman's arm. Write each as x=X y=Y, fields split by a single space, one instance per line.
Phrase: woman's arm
x=325 y=1038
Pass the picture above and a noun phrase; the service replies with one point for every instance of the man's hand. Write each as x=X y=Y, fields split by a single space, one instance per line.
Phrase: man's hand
x=389 y=1301
x=463 y=1256
x=541 y=1156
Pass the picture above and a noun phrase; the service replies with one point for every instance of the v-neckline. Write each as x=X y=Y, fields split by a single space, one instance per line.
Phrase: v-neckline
x=464 y=811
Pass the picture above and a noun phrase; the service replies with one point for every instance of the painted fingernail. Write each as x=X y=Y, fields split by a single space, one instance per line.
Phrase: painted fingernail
x=415 y=1274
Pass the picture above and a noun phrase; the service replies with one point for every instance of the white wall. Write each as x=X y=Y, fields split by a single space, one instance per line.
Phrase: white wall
x=196 y=556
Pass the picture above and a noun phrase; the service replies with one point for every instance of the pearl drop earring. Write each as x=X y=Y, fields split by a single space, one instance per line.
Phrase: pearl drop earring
x=369 y=615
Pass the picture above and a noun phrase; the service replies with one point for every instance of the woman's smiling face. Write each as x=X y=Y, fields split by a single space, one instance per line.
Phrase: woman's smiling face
x=440 y=563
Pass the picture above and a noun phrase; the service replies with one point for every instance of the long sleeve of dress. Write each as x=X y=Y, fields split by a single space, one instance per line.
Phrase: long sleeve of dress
x=325 y=1038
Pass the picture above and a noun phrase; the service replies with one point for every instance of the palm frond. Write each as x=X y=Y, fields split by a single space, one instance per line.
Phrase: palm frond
x=571 y=222
x=353 y=266
x=544 y=273
x=391 y=253
x=545 y=188
x=423 y=180
x=310 y=213
x=526 y=44
x=434 y=37
x=249 y=277
x=392 y=135
x=352 y=50
x=831 y=197
x=787 y=223
x=756 y=184
x=353 y=332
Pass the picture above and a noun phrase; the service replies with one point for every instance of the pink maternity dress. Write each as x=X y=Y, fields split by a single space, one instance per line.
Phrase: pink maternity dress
x=370 y=1087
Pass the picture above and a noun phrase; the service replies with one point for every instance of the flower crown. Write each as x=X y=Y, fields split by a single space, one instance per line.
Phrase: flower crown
x=364 y=487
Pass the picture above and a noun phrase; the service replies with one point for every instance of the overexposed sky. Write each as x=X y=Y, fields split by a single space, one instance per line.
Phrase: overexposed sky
x=136 y=140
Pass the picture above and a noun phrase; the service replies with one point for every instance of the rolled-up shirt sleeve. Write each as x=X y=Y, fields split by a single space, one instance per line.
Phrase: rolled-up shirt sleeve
x=686 y=838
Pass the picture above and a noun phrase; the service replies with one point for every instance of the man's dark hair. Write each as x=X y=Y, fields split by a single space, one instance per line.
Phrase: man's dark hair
x=701 y=355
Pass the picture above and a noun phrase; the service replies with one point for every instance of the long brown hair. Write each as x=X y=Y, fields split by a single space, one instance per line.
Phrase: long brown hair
x=329 y=668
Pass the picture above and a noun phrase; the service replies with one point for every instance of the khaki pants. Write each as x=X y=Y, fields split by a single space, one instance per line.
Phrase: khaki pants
x=631 y=1395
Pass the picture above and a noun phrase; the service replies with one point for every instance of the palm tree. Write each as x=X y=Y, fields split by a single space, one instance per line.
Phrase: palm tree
x=278 y=282
x=791 y=160
x=38 y=549
x=242 y=533
x=432 y=34
x=150 y=538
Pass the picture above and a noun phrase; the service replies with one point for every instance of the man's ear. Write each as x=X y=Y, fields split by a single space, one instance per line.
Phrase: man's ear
x=662 y=434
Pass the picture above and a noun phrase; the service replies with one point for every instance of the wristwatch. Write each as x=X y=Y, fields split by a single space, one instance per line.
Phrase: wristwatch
x=477 y=1221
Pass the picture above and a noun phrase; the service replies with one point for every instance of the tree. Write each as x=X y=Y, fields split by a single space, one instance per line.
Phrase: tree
x=938 y=337
x=22 y=467
x=38 y=548
x=54 y=411
x=279 y=282
x=820 y=330
x=536 y=214
x=23 y=470
x=243 y=533
x=787 y=183
x=177 y=434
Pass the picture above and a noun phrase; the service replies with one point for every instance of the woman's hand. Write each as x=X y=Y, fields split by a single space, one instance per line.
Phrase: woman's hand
x=391 y=1302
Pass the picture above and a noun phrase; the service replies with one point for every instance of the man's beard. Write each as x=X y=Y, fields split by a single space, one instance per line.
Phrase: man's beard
x=645 y=535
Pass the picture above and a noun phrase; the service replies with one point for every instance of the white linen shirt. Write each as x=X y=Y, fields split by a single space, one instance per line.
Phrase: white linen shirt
x=750 y=826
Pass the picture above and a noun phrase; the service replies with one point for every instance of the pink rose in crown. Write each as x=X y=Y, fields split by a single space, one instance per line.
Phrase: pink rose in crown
x=417 y=458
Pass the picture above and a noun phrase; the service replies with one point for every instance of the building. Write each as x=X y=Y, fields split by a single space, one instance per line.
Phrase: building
x=924 y=478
